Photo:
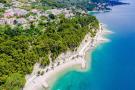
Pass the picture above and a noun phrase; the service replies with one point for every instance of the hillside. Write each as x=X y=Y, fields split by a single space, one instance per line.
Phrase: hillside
x=31 y=33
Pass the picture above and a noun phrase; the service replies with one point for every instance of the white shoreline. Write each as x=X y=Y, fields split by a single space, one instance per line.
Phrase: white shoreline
x=67 y=60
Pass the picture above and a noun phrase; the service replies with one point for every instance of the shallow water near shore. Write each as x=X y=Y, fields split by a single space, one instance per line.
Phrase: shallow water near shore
x=113 y=63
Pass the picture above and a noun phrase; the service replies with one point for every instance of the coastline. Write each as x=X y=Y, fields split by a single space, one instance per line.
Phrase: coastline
x=77 y=60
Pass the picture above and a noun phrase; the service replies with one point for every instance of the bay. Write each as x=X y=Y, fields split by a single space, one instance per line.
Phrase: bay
x=113 y=63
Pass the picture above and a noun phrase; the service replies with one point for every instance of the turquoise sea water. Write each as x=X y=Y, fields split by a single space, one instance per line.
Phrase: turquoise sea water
x=113 y=63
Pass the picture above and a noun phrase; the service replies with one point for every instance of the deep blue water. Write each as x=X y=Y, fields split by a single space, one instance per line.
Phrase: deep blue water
x=113 y=63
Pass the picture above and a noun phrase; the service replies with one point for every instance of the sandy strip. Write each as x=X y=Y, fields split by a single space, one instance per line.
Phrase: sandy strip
x=64 y=62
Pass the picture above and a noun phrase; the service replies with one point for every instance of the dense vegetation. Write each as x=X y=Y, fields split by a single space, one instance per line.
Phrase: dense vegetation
x=101 y=1
x=81 y=4
x=21 y=49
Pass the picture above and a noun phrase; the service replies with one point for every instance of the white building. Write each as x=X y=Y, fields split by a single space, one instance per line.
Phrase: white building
x=21 y=21
x=10 y=21
x=2 y=21
x=15 y=11
x=1 y=5
x=67 y=13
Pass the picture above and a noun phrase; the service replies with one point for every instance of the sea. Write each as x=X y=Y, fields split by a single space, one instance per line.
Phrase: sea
x=113 y=63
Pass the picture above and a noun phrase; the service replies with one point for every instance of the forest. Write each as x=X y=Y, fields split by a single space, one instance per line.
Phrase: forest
x=20 y=49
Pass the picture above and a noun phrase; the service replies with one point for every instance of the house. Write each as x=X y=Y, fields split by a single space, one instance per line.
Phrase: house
x=10 y=21
x=16 y=4
x=54 y=11
x=67 y=13
x=21 y=21
x=44 y=14
x=2 y=21
x=35 y=11
x=15 y=12
x=20 y=12
x=32 y=18
x=1 y=5
x=8 y=14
